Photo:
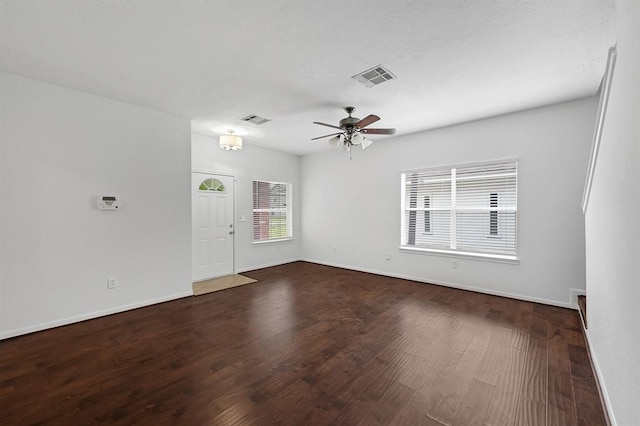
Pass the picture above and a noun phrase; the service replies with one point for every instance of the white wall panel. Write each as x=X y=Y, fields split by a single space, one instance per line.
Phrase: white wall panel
x=59 y=149
x=351 y=213
x=613 y=231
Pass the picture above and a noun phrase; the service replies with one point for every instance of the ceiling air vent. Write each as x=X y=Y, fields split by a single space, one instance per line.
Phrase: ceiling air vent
x=374 y=76
x=255 y=119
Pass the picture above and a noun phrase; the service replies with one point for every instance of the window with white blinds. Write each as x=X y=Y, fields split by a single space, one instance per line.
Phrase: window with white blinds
x=467 y=209
x=271 y=211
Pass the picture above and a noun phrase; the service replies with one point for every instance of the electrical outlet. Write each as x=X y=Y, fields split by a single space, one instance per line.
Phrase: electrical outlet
x=334 y=250
x=112 y=283
x=454 y=264
x=388 y=256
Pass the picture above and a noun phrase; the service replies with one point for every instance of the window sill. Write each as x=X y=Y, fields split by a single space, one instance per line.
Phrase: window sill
x=279 y=240
x=499 y=258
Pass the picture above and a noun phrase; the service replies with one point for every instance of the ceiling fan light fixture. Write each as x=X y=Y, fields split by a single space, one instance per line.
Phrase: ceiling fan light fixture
x=334 y=140
x=230 y=142
x=357 y=139
x=365 y=143
x=353 y=131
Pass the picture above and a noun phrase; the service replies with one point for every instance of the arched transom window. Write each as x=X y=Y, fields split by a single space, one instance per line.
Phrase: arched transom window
x=213 y=185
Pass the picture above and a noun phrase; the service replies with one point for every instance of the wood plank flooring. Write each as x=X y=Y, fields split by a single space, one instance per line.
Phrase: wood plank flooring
x=308 y=345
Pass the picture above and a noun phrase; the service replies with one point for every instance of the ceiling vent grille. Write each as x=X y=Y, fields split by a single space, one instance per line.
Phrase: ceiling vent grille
x=255 y=119
x=374 y=76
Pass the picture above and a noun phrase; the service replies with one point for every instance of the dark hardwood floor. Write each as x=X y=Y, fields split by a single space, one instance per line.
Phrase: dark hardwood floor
x=308 y=345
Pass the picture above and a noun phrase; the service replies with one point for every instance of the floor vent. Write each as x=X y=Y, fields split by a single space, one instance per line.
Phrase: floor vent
x=374 y=76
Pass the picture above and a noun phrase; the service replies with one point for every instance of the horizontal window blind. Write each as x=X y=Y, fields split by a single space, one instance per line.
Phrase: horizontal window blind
x=435 y=187
x=271 y=211
x=468 y=209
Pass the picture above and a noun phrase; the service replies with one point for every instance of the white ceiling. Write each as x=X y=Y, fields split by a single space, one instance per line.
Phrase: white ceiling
x=292 y=60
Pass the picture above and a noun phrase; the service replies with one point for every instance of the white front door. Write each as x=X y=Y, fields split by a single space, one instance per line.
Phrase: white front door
x=212 y=225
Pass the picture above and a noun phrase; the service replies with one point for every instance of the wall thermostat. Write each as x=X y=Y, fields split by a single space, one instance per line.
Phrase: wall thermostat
x=108 y=202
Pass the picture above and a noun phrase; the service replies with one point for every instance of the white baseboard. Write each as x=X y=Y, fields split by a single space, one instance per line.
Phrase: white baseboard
x=90 y=315
x=449 y=284
x=600 y=381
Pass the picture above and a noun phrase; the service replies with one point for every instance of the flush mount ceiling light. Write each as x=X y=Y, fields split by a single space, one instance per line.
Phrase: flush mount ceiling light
x=231 y=142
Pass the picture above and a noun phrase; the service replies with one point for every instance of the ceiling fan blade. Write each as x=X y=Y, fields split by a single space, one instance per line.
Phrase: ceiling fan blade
x=369 y=119
x=326 y=136
x=328 y=125
x=379 y=131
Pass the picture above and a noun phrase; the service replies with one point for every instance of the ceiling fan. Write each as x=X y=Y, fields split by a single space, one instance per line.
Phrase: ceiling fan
x=352 y=131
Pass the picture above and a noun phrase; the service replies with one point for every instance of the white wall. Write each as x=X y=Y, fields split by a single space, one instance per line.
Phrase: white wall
x=613 y=231
x=60 y=148
x=253 y=163
x=354 y=205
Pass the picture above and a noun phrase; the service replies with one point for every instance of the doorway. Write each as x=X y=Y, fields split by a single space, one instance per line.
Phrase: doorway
x=212 y=225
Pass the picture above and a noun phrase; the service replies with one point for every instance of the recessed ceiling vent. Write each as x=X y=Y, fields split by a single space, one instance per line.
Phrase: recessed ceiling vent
x=374 y=76
x=255 y=119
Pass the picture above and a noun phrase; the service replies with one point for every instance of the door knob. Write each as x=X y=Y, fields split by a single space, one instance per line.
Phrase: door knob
x=231 y=232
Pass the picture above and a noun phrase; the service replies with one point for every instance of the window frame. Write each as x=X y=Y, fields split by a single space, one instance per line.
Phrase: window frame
x=454 y=252
x=288 y=210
